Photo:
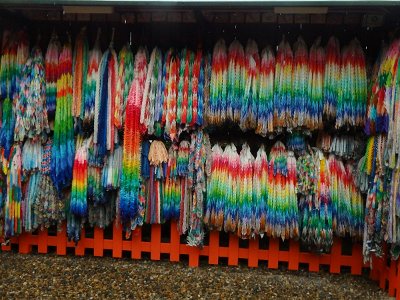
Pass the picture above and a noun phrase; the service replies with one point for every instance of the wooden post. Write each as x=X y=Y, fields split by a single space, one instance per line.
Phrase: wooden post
x=42 y=241
x=117 y=241
x=273 y=253
x=294 y=255
x=174 y=242
x=252 y=260
x=80 y=248
x=233 y=250
x=213 y=248
x=336 y=255
x=98 y=241
x=155 y=242
x=62 y=240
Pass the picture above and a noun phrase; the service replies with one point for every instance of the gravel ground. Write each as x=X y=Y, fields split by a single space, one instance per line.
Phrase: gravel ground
x=50 y=276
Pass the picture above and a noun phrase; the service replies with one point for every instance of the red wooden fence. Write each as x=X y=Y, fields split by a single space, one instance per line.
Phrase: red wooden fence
x=387 y=275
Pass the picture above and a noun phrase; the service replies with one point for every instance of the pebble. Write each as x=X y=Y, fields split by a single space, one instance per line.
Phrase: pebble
x=50 y=276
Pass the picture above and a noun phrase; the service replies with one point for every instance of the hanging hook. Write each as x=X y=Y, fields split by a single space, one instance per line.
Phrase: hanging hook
x=38 y=39
x=235 y=31
x=69 y=37
x=112 y=37
x=97 y=41
x=54 y=33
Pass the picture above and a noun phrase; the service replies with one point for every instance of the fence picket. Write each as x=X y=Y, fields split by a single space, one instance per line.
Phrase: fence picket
x=233 y=250
x=253 y=253
x=98 y=242
x=42 y=241
x=273 y=257
x=174 y=241
x=213 y=246
x=294 y=255
x=155 y=242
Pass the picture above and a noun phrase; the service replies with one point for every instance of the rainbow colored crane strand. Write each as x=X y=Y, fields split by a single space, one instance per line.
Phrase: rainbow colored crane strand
x=332 y=78
x=346 y=199
x=356 y=211
x=199 y=169
x=102 y=200
x=7 y=127
x=325 y=229
x=315 y=202
x=172 y=191
x=214 y=217
x=197 y=87
x=377 y=119
x=158 y=156
x=112 y=169
x=352 y=100
x=95 y=189
x=63 y=151
x=218 y=84
x=78 y=204
x=183 y=86
x=170 y=99
x=161 y=105
x=345 y=146
x=235 y=80
x=376 y=217
x=394 y=125
x=394 y=218
x=248 y=116
x=296 y=142
x=260 y=191
x=22 y=57
x=265 y=111
x=300 y=84
x=283 y=93
x=12 y=208
x=12 y=98
x=383 y=108
x=48 y=207
x=189 y=90
x=30 y=106
x=104 y=125
x=315 y=86
x=151 y=92
x=91 y=88
x=336 y=171
x=32 y=153
x=282 y=218
x=230 y=188
x=80 y=71
x=8 y=68
x=182 y=166
x=206 y=87
x=362 y=176
x=124 y=81
x=159 y=113
x=52 y=69
x=130 y=175
x=31 y=171
x=246 y=225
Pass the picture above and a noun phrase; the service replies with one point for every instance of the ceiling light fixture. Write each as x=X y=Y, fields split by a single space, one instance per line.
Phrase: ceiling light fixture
x=300 y=10
x=88 y=9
